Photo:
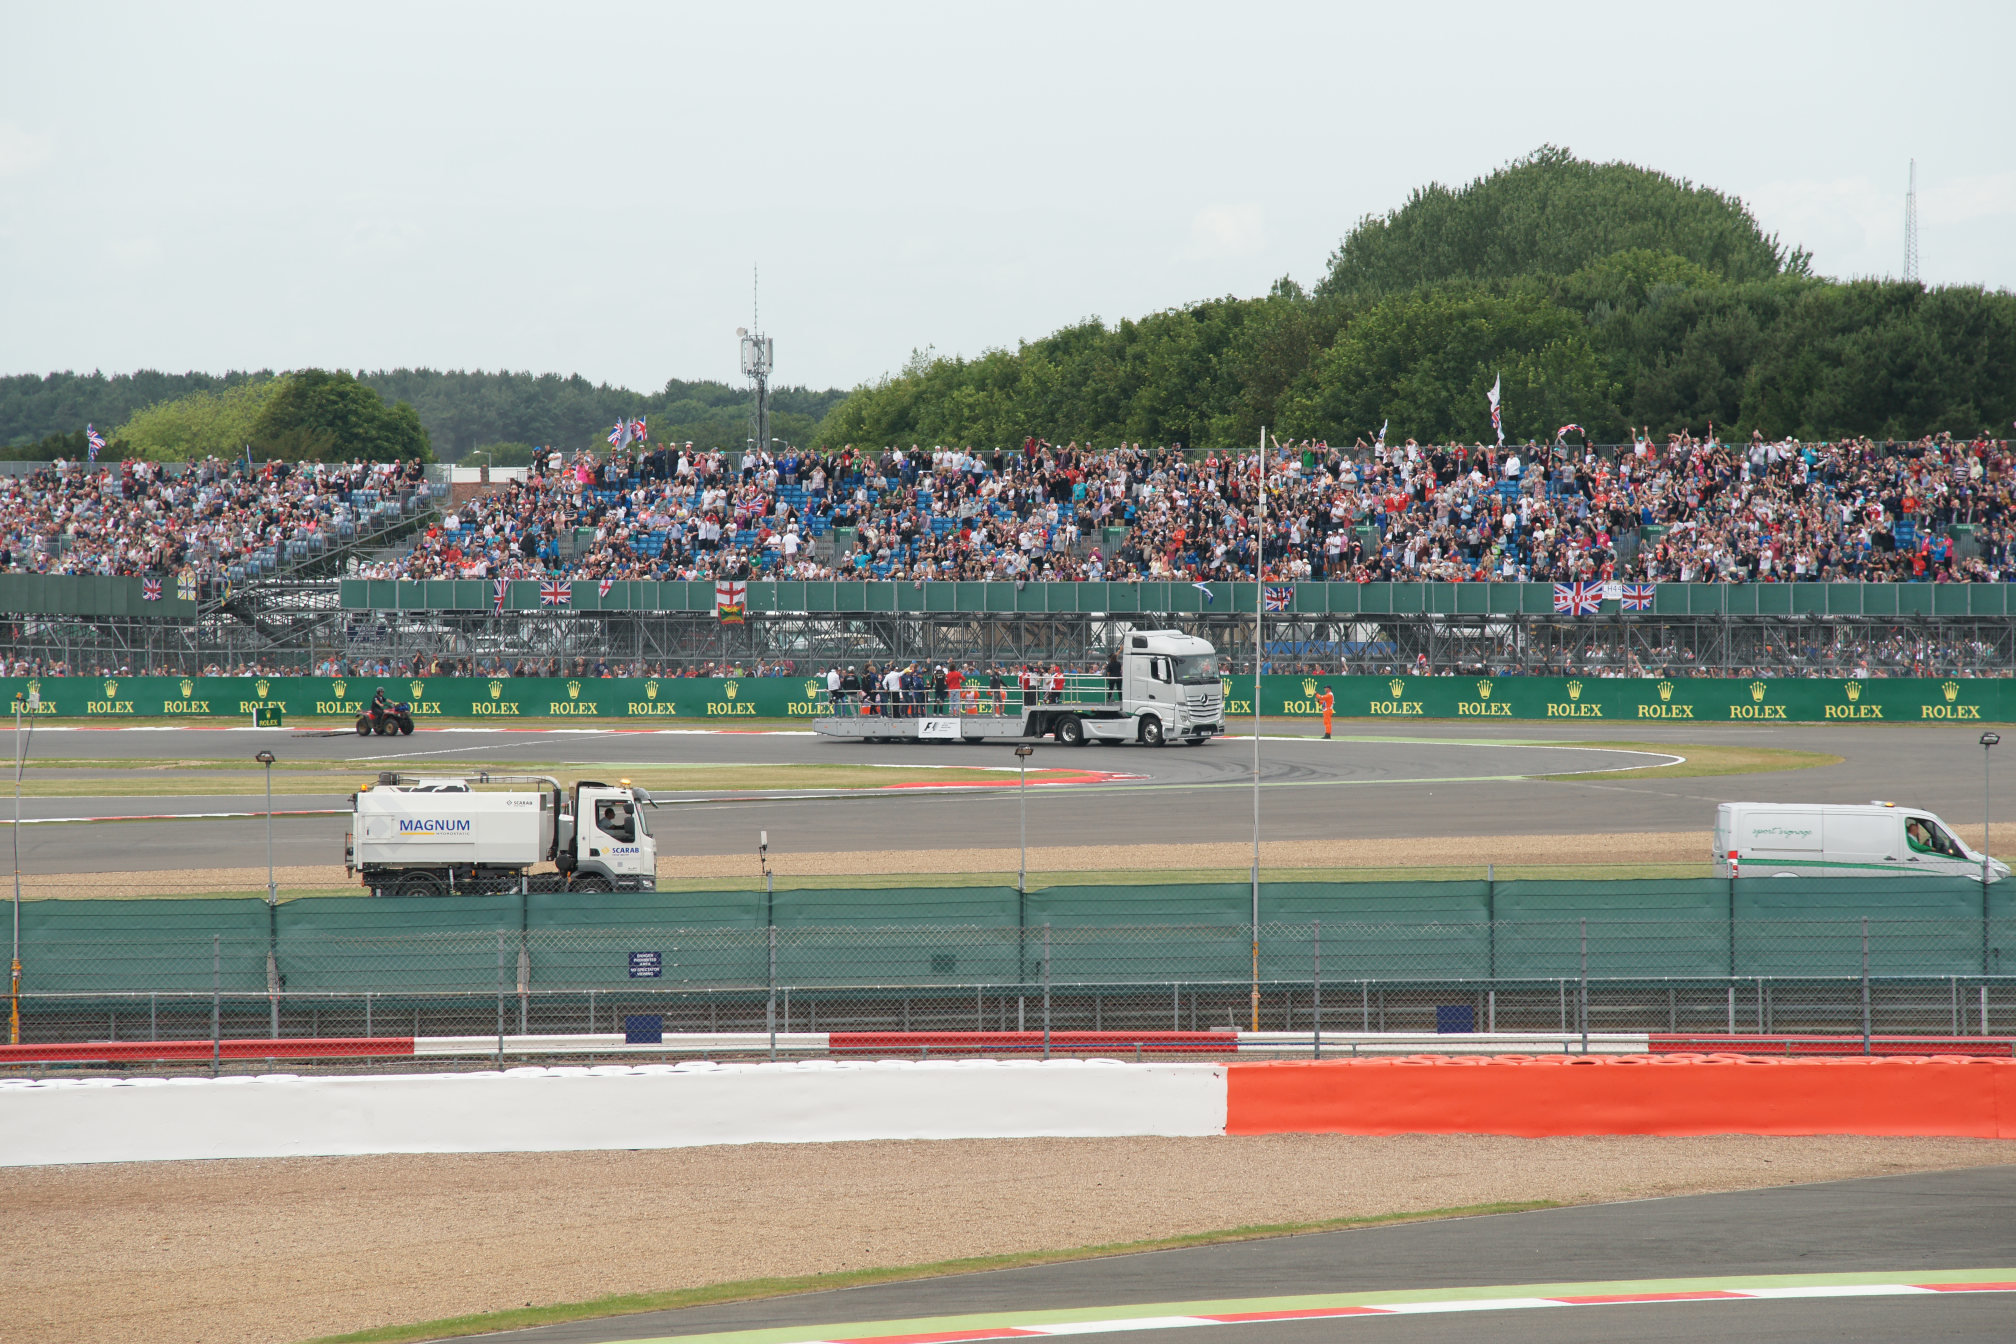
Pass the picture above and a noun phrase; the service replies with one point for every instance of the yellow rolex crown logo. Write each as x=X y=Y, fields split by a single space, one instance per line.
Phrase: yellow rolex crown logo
x=1853 y=690
x=1398 y=687
x=1308 y=685
x=496 y=690
x=1484 y=689
x=651 y=690
x=1574 y=690
x=34 y=685
x=262 y=687
x=112 y=689
x=1951 y=690
x=730 y=688
x=417 y=687
x=1757 y=689
x=1665 y=690
x=813 y=687
x=336 y=686
x=188 y=688
x=573 y=690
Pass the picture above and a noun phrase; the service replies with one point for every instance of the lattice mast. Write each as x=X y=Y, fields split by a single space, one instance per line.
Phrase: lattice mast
x=1911 y=227
x=758 y=354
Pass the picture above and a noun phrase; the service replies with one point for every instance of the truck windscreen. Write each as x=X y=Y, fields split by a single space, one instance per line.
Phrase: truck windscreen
x=1197 y=669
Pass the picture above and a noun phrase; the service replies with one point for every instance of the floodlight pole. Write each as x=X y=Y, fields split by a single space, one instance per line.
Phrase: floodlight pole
x=1988 y=741
x=265 y=758
x=1259 y=637
x=14 y=977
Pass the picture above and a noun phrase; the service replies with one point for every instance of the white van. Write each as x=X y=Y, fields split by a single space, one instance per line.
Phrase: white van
x=1840 y=840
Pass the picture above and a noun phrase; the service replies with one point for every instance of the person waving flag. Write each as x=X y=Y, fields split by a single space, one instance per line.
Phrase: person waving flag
x=95 y=439
x=1497 y=415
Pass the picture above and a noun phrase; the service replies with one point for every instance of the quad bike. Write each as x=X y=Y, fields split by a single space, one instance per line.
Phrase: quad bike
x=394 y=720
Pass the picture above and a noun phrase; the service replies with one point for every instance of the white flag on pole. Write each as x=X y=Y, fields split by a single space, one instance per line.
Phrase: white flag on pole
x=1497 y=417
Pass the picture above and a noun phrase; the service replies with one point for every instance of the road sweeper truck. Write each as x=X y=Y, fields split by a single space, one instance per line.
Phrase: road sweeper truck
x=420 y=836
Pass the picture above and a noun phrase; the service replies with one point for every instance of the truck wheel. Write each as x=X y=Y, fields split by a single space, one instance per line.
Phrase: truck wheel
x=591 y=882
x=363 y=726
x=1071 y=732
x=420 y=884
x=1151 y=731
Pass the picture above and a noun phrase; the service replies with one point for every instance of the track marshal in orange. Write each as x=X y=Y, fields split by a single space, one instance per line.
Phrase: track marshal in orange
x=1328 y=700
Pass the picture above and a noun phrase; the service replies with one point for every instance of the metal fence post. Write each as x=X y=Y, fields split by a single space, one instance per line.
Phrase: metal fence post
x=500 y=998
x=216 y=1000
x=1316 y=989
x=1046 y=990
x=1585 y=987
x=1865 y=984
x=272 y=940
x=770 y=1007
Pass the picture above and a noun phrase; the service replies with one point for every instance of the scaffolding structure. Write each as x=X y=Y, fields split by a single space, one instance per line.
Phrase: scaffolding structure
x=295 y=626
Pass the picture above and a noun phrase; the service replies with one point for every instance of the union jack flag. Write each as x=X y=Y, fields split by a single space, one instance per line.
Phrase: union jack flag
x=1637 y=596
x=553 y=593
x=97 y=442
x=619 y=435
x=602 y=588
x=1278 y=599
x=1578 y=599
x=503 y=587
x=637 y=431
x=150 y=590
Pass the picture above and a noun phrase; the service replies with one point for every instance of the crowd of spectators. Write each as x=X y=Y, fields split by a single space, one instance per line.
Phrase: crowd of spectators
x=1688 y=509
x=207 y=521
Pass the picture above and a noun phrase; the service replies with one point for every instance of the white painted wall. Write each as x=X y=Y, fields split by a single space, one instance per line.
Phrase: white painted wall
x=609 y=1107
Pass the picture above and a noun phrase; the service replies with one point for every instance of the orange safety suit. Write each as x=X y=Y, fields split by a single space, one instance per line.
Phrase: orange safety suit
x=1329 y=702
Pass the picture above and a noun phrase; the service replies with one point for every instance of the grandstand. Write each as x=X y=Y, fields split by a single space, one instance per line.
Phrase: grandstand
x=1787 y=559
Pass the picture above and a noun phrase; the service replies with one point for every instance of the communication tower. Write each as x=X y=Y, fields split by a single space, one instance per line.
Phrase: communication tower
x=1911 y=228
x=758 y=354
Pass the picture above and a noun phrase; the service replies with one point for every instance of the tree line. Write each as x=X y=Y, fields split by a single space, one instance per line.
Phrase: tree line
x=1604 y=295
x=494 y=415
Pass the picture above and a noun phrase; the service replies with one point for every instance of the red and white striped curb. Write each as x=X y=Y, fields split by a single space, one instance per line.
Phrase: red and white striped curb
x=1428 y=1307
x=949 y=1044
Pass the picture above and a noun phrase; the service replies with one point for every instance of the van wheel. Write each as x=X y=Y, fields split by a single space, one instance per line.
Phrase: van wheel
x=1151 y=731
x=1071 y=732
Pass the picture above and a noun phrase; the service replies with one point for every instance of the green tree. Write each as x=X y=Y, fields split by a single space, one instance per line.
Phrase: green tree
x=316 y=413
x=202 y=424
x=1551 y=213
x=1425 y=360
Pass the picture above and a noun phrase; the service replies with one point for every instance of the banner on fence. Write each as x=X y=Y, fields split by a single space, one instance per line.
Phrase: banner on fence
x=1527 y=699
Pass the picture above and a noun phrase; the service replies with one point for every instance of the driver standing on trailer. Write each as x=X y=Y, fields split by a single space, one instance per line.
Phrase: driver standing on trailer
x=1113 y=675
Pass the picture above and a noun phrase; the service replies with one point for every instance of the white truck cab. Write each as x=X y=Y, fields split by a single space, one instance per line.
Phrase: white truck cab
x=1879 y=839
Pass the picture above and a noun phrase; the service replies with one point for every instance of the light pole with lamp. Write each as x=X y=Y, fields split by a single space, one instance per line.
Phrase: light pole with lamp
x=1987 y=740
x=266 y=758
x=1022 y=755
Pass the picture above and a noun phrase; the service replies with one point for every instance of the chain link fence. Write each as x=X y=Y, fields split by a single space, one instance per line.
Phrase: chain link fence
x=1831 y=980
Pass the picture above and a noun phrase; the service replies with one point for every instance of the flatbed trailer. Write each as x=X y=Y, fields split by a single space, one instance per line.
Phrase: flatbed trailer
x=1164 y=687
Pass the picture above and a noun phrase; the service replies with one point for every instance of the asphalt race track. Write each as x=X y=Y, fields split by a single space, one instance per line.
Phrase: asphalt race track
x=1893 y=1225
x=1428 y=781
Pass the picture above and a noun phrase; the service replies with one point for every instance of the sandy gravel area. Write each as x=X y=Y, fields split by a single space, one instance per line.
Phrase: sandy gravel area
x=1646 y=847
x=253 y=1252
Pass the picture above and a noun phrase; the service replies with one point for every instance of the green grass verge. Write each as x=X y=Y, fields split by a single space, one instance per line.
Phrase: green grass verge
x=748 y=1290
x=1701 y=760
x=155 y=780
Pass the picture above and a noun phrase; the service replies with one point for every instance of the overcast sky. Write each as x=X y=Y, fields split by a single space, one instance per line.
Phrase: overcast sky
x=586 y=187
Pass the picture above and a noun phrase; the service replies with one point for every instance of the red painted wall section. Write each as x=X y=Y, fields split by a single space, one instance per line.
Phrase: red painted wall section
x=1949 y=1096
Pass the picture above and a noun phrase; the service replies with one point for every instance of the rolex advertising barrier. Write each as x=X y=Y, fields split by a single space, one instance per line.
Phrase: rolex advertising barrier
x=672 y=700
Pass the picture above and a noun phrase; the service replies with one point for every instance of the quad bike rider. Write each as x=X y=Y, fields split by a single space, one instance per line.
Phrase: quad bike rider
x=387 y=718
